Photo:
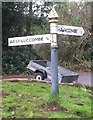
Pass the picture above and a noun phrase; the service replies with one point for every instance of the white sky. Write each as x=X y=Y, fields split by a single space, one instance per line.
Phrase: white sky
x=40 y=1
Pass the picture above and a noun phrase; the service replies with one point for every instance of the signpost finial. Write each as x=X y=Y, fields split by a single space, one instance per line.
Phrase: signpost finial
x=53 y=13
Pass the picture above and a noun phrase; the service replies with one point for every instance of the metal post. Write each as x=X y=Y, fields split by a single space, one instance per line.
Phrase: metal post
x=54 y=70
x=53 y=19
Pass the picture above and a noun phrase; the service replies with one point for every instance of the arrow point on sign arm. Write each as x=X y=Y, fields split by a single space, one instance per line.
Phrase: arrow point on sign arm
x=83 y=31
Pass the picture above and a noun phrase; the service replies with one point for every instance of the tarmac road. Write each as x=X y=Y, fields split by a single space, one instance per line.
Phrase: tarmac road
x=85 y=78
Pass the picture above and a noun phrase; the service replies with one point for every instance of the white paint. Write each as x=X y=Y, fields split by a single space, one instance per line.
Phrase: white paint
x=28 y=40
x=70 y=30
x=53 y=14
x=53 y=28
x=54 y=40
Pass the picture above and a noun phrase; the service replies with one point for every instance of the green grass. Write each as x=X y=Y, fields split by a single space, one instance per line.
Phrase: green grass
x=28 y=100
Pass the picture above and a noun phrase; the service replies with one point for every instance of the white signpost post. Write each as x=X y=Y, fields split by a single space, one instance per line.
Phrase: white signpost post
x=70 y=30
x=28 y=40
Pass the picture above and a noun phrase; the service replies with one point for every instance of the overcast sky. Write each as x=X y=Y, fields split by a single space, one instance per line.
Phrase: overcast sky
x=40 y=1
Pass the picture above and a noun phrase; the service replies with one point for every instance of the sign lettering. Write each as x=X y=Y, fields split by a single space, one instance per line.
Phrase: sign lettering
x=70 y=30
x=27 y=40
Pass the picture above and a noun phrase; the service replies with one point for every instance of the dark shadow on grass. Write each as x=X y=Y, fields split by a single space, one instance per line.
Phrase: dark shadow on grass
x=53 y=106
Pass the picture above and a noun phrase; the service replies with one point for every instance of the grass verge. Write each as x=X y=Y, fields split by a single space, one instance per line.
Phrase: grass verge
x=32 y=100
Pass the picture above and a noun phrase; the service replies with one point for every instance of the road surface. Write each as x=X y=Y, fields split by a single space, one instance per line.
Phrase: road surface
x=86 y=78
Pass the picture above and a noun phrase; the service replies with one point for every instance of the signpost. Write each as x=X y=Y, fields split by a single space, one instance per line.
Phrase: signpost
x=28 y=40
x=53 y=20
x=70 y=30
x=49 y=38
x=58 y=29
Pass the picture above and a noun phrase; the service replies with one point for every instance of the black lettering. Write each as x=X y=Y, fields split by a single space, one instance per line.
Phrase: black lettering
x=42 y=39
x=17 y=40
x=30 y=39
x=22 y=41
x=12 y=41
x=33 y=39
x=38 y=39
x=26 y=40
x=75 y=30
x=69 y=30
x=62 y=29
